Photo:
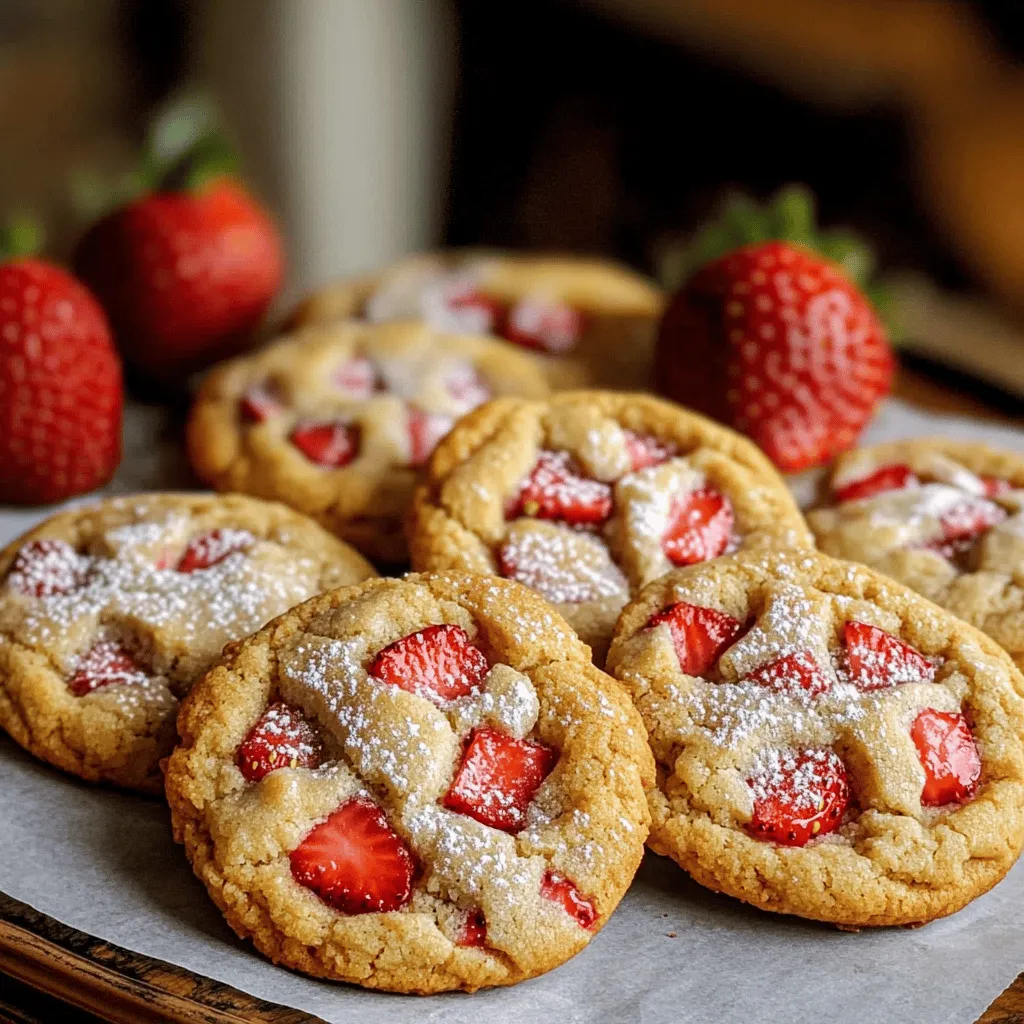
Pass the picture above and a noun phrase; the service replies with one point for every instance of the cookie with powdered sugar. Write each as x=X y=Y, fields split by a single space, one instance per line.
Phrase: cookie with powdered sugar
x=829 y=743
x=109 y=612
x=415 y=785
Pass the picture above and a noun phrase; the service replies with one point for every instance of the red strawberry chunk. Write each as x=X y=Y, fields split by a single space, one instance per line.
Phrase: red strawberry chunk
x=425 y=431
x=798 y=796
x=357 y=378
x=282 y=738
x=994 y=487
x=963 y=524
x=355 y=862
x=888 y=478
x=646 y=450
x=949 y=756
x=260 y=403
x=474 y=930
x=210 y=548
x=45 y=568
x=543 y=325
x=700 y=635
x=440 y=663
x=470 y=311
x=700 y=525
x=877 y=659
x=105 y=664
x=467 y=387
x=555 y=489
x=560 y=890
x=792 y=673
x=498 y=778
x=333 y=444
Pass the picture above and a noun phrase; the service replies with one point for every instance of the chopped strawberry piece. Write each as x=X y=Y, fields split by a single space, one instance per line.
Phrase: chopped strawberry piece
x=700 y=525
x=357 y=378
x=439 y=662
x=949 y=756
x=467 y=387
x=888 y=478
x=333 y=444
x=498 y=778
x=470 y=311
x=546 y=326
x=798 y=796
x=104 y=664
x=210 y=548
x=560 y=890
x=700 y=635
x=555 y=489
x=474 y=930
x=46 y=568
x=259 y=404
x=355 y=862
x=425 y=431
x=646 y=450
x=282 y=738
x=963 y=524
x=792 y=673
x=994 y=486
x=877 y=659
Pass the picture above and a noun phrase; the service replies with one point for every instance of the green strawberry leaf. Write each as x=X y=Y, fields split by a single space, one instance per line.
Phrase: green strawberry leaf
x=21 y=235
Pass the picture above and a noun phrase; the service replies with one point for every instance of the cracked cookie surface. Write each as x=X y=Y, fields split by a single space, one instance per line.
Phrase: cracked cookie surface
x=109 y=612
x=462 y=805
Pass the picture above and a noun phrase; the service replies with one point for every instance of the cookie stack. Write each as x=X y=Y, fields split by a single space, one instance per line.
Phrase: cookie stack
x=619 y=631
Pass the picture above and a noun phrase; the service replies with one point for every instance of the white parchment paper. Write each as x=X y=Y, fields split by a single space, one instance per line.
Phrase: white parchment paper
x=104 y=862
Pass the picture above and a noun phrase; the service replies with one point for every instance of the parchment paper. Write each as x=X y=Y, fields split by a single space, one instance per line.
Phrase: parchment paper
x=104 y=862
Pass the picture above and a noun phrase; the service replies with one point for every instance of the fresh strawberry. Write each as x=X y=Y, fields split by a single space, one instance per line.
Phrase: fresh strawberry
x=60 y=387
x=949 y=756
x=45 y=568
x=357 y=378
x=560 y=890
x=877 y=659
x=498 y=778
x=104 y=664
x=700 y=635
x=547 y=326
x=440 y=663
x=355 y=862
x=700 y=525
x=425 y=431
x=555 y=489
x=210 y=548
x=994 y=486
x=646 y=450
x=282 y=738
x=186 y=277
x=467 y=310
x=963 y=524
x=332 y=444
x=474 y=930
x=791 y=673
x=259 y=404
x=888 y=478
x=777 y=342
x=798 y=797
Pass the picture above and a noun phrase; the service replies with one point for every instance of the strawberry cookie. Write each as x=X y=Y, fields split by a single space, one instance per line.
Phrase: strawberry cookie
x=829 y=743
x=590 y=495
x=336 y=420
x=109 y=612
x=595 y=322
x=944 y=517
x=415 y=785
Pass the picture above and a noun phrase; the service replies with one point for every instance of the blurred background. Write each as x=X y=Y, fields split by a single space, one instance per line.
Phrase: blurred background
x=376 y=127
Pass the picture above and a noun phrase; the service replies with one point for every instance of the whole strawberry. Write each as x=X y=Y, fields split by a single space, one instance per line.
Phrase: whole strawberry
x=60 y=386
x=185 y=276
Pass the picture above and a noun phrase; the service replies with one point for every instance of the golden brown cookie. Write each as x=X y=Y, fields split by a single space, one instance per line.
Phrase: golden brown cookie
x=590 y=495
x=415 y=785
x=595 y=321
x=944 y=517
x=828 y=742
x=109 y=612
x=336 y=420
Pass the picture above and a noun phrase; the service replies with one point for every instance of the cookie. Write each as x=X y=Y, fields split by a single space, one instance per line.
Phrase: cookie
x=594 y=321
x=336 y=420
x=109 y=612
x=944 y=517
x=415 y=785
x=590 y=495
x=829 y=743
